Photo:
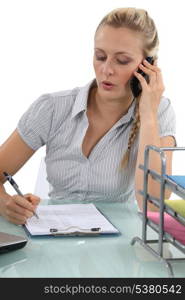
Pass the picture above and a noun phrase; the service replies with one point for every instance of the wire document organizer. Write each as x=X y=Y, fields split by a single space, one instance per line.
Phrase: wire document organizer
x=165 y=183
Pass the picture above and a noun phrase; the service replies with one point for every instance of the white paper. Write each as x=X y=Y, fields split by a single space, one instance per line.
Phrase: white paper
x=68 y=218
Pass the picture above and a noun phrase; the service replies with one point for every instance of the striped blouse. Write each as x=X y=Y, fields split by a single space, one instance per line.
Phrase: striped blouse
x=59 y=121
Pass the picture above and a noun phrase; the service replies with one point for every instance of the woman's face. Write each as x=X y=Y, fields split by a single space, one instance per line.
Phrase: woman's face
x=117 y=54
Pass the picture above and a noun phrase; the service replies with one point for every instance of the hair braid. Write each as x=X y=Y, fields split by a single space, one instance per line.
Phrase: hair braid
x=132 y=136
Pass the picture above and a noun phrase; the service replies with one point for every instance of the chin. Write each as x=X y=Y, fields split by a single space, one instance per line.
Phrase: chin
x=115 y=92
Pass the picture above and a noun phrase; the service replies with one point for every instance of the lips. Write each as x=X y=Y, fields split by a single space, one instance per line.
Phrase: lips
x=108 y=83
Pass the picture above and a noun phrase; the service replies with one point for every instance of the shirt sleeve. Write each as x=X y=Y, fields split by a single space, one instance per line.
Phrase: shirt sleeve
x=35 y=124
x=166 y=119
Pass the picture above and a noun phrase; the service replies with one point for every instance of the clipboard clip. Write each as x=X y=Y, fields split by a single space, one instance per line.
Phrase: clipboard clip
x=79 y=232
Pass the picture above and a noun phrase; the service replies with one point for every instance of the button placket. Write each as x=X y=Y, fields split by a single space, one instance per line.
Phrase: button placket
x=84 y=178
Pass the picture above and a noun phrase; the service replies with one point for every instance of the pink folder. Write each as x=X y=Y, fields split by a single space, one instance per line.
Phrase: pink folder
x=171 y=226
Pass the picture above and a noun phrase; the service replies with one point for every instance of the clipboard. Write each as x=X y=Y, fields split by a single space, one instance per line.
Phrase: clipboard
x=92 y=232
x=70 y=220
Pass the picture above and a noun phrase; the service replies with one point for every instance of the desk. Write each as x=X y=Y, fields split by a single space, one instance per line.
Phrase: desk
x=105 y=256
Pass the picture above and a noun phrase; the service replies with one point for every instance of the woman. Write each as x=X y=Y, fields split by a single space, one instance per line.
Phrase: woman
x=95 y=136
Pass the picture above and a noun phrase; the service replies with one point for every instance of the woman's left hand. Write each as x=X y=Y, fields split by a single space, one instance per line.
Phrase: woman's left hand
x=151 y=92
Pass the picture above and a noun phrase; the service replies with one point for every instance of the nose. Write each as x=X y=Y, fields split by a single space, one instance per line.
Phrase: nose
x=107 y=68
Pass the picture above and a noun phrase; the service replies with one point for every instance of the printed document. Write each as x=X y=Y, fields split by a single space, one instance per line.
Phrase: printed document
x=69 y=218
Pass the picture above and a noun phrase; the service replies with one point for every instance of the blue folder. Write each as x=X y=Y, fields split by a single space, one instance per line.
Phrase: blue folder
x=178 y=179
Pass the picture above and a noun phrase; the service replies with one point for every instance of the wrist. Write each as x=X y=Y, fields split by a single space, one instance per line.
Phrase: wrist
x=149 y=129
x=4 y=197
x=3 y=194
x=149 y=121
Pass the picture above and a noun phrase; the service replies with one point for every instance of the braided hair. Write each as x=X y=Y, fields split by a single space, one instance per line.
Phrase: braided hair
x=134 y=131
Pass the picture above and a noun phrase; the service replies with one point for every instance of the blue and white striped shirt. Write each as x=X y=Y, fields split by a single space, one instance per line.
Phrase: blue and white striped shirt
x=59 y=121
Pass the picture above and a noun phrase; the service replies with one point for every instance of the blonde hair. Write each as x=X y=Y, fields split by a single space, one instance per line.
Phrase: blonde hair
x=137 y=20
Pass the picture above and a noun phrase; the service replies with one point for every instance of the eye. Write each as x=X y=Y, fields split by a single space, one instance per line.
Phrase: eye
x=102 y=58
x=123 y=62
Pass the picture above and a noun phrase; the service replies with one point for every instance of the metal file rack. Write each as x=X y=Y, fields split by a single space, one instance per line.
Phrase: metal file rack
x=165 y=182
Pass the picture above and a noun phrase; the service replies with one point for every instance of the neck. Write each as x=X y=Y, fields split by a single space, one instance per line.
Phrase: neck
x=109 y=109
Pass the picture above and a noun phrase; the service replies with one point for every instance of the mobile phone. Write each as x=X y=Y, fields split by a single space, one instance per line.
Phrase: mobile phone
x=134 y=82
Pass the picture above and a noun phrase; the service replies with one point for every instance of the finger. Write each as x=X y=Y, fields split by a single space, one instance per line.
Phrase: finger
x=15 y=218
x=152 y=75
x=151 y=67
x=158 y=75
x=146 y=70
x=141 y=79
x=23 y=202
x=32 y=198
x=13 y=207
x=16 y=221
x=155 y=62
x=160 y=82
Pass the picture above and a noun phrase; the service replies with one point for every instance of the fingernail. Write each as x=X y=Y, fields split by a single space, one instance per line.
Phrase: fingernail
x=30 y=214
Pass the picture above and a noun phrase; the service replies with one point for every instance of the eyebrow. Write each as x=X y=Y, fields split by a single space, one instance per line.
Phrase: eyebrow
x=119 y=52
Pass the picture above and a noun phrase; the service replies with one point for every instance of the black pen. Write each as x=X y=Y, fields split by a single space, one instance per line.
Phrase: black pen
x=16 y=188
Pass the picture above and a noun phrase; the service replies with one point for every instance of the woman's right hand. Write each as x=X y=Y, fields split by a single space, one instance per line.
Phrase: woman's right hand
x=17 y=209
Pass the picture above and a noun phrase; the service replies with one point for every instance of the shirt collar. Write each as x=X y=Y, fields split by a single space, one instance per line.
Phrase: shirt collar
x=81 y=104
x=81 y=98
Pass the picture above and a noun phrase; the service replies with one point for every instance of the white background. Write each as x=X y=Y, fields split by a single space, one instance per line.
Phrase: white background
x=47 y=46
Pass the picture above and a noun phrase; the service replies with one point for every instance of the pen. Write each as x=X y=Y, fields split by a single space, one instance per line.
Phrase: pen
x=16 y=188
